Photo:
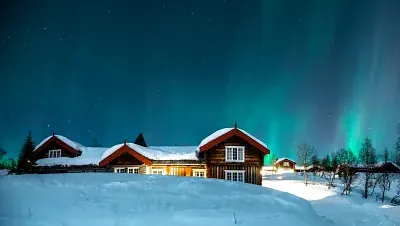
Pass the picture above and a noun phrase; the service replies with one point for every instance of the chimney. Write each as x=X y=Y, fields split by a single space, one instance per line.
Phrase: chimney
x=235 y=125
x=124 y=141
x=53 y=134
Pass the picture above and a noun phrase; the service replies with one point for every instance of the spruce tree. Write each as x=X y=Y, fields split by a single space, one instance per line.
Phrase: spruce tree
x=24 y=164
x=140 y=140
x=2 y=155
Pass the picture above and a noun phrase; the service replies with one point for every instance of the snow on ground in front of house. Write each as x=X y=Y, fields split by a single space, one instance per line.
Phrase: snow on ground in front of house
x=342 y=210
x=129 y=199
x=3 y=172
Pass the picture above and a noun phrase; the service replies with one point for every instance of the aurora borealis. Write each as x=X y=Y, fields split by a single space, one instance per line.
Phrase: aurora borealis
x=320 y=72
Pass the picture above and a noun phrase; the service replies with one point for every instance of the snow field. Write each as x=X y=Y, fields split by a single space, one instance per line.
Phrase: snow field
x=128 y=199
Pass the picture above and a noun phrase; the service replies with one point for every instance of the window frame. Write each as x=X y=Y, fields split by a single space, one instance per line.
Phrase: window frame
x=286 y=164
x=133 y=170
x=158 y=170
x=232 y=150
x=237 y=172
x=195 y=171
x=118 y=170
x=54 y=153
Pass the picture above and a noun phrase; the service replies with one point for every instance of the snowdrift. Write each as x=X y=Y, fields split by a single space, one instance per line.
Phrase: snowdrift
x=129 y=199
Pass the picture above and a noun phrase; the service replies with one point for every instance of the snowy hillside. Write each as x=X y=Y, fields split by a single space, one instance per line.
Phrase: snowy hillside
x=350 y=210
x=128 y=199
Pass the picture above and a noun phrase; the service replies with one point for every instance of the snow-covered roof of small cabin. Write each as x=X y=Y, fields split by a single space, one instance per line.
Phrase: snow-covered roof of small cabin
x=89 y=156
x=159 y=153
x=268 y=168
x=73 y=144
x=281 y=159
x=302 y=167
x=221 y=132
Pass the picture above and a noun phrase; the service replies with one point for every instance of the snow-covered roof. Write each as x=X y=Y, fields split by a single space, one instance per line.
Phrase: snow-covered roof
x=73 y=144
x=302 y=167
x=281 y=159
x=159 y=153
x=268 y=168
x=89 y=156
x=389 y=162
x=221 y=132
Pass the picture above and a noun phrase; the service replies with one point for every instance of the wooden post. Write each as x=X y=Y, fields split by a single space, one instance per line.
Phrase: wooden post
x=167 y=169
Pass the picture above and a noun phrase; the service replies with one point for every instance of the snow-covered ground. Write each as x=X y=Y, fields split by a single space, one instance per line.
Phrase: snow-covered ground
x=129 y=199
x=3 y=172
x=341 y=210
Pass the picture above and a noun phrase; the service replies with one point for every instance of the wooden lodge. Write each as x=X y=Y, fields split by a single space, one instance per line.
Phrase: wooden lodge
x=230 y=154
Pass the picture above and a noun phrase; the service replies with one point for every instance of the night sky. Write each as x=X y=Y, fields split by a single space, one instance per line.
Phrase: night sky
x=289 y=72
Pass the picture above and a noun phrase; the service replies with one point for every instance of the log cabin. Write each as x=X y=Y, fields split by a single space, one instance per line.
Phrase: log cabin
x=233 y=154
x=285 y=164
x=230 y=154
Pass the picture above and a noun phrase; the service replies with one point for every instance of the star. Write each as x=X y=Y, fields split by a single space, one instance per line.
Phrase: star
x=69 y=121
x=109 y=11
x=192 y=13
x=8 y=37
x=209 y=19
x=45 y=28
x=61 y=39
x=48 y=125
x=300 y=18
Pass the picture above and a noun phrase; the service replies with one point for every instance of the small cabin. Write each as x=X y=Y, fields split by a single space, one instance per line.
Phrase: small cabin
x=285 y=164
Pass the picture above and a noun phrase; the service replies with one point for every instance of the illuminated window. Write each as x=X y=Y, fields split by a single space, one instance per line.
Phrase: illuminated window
x=286 y=164
x=157 y=171
x=55 y=153
x=234 y=175
x=199 y=173
x=234 y=154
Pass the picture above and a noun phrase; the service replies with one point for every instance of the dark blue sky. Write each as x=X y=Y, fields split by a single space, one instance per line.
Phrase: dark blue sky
x=321 y=72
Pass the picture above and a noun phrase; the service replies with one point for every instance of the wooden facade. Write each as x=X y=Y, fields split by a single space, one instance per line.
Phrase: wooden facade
x=218 y=166
x=210 y=161
x=285 y=164
x=55 y=144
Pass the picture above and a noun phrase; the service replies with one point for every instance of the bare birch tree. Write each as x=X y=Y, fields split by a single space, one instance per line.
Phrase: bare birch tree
x=304 y=154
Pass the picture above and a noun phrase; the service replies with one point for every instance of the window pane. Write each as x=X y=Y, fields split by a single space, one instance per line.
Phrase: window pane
x=240 y=177
x=229 y=154
x=229 y=176
x=234 y=176
x=235 y=154
x=240 y=154
x=130 y=170
x=136 y=171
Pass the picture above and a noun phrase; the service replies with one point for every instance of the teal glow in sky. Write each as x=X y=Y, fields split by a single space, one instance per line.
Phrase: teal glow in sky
x=289 y=72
